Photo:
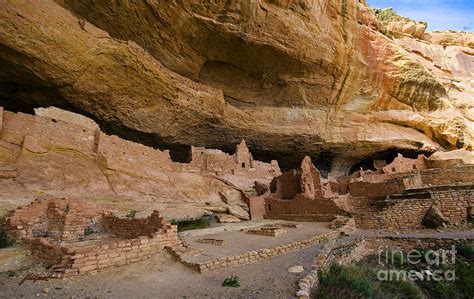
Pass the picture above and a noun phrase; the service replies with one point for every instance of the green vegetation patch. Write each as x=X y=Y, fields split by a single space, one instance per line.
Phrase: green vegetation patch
x=387 y=15
x=4 y=241
x=232 y=281
x=190 y=223
x=361 y=281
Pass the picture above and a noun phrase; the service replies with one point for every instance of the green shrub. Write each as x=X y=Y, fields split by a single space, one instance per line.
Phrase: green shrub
x=361 y=282
x=232 y=281
x=88 y=231
x=397 y=259
x=12 y=273
x=344 y=280
x=465 y=250
x=324 y=239
x=399 y=289
x=131 y=214
x=189 y=223
x=465 y=278
x=4 y=241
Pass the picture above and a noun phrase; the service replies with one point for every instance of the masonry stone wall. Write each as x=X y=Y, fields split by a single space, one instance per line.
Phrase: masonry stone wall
x=240 y=163
x=376 y=189
x=54 y=229
x=257 y=207
x=58 y=219
x=447 y=176
x=66 y=116
x=302 y=209
x=286 y=185
x=132 y=228
x=127 y=156
x=79 y=259
x=45 y=133
x=401 y=164
x=264 y=253
x=409 y=213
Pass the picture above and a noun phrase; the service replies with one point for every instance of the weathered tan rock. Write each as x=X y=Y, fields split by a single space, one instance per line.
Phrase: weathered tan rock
x=226 y=218
x=238 y=212
x=409 y=27
x=296 y=269
x=434 y=218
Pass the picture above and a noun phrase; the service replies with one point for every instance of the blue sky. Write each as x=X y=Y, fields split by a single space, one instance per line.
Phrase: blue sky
x=440 y=15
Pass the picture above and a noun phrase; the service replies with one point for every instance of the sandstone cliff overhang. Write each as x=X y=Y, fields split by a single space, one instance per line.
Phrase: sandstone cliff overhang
x=293 y=77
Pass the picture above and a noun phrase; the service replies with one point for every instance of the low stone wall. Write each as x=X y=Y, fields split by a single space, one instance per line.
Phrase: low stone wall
x=302 y=218
x=76 y=259
x=271 y=232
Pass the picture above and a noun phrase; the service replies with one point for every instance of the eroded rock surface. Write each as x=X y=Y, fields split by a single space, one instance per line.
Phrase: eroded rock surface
x=320 y=78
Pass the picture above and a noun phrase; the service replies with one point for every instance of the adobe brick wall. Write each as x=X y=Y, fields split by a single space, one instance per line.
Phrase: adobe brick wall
x=409 y=213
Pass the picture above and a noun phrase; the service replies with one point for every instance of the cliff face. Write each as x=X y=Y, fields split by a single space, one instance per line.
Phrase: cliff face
x=294 y=77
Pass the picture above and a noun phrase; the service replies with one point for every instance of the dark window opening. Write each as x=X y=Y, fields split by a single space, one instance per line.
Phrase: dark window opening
x=243 y=165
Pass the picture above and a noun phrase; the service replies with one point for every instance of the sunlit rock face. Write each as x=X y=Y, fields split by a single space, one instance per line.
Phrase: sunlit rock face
x=310 y=77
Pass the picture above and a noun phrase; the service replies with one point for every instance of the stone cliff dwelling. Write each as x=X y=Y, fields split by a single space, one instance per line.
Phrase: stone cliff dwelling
x=65 y=232
x=77 y=238
x=232 y=149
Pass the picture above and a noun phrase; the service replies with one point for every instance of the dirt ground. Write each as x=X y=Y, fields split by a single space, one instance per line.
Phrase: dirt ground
x=238 y=242
x=163 y=277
